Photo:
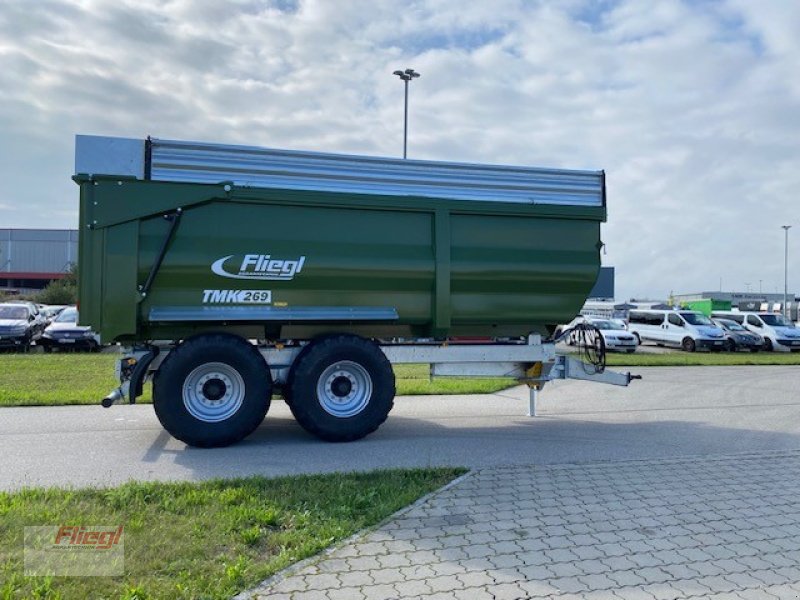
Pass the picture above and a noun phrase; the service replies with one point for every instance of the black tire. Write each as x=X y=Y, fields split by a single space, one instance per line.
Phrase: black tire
x=47 y=348
x=731 y=346
x=365 y=386
x=768 y=345
x=638 y=339
x=188 y=414
x=688 y=344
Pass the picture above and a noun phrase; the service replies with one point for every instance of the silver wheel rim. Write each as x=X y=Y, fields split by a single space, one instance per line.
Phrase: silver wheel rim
x=213 y=392
x=344 y=389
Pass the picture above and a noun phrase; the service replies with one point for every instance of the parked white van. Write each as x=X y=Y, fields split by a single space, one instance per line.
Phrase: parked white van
x=686 y=329
x=779 y=333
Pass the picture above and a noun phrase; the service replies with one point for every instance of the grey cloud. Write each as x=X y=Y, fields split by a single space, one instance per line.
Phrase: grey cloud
x=20 y=19
x=149 y=28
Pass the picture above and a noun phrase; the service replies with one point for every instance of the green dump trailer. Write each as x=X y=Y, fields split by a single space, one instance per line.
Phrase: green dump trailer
x=229 y=270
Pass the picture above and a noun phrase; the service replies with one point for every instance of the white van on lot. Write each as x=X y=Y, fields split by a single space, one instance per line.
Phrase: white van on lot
x=686 y=329
x=779 y=333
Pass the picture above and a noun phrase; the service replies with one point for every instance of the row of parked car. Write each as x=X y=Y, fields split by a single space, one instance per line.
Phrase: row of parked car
x=690 y=330
x=24 y=325
x=724 y=330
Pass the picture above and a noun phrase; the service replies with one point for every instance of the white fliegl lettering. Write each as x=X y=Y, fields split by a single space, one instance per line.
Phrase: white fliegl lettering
x=261 y=267
x=249 y=259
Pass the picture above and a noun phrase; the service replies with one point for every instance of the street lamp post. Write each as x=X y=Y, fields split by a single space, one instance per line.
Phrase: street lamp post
x=406 y=76
x=786 y=229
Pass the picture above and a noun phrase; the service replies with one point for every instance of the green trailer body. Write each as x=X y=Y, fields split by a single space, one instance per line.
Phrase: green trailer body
x=273 y=263
x=229 y=271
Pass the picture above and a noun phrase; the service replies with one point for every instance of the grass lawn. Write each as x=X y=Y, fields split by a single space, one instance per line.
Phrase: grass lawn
x=51 y=379
x=204 y=540
x=702 y=359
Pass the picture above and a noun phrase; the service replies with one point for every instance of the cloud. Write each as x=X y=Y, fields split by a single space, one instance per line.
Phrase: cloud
x=691 y=108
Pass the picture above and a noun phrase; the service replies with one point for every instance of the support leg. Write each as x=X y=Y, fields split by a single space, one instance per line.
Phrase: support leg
x=534 y=395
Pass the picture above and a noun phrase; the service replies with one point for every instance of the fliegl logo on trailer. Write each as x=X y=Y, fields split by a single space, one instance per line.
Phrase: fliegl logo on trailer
x=261 y=267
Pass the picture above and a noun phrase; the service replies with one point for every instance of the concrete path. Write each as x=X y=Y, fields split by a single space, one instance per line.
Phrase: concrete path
x=718 y=528
x=672 y=412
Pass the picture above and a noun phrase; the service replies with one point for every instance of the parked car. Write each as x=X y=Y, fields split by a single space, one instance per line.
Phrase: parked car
x=621 y=322
x=779 y=333
x=50 y=311
x=32 y=307
x=615 y=336
x=19 y=326
x=737 y=336
x=64 y=332
x=684 y=329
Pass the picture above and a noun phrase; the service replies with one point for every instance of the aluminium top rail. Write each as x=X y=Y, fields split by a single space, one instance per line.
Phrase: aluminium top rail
x=198 y=162
x=289 y=169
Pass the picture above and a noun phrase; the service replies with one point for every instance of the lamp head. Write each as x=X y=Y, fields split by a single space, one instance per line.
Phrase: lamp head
x=406 y=75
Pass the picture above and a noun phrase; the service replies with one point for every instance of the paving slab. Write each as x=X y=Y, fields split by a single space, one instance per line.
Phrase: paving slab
x=638 y=496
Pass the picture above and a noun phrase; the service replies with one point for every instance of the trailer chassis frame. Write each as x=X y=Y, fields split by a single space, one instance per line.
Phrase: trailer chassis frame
x=533 y=362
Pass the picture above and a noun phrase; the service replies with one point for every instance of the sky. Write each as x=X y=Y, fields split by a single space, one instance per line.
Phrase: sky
x=691 y=107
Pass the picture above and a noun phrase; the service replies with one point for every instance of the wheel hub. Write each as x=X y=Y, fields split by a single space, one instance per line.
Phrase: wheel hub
x=213 y=392
x=344 y=389
x=341 y=386
x=214 y=389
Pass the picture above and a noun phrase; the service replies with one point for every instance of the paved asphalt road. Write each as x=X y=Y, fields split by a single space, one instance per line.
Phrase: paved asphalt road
x=672 y=412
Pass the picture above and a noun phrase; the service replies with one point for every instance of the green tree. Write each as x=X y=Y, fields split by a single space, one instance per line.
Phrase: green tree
x=61 y=291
